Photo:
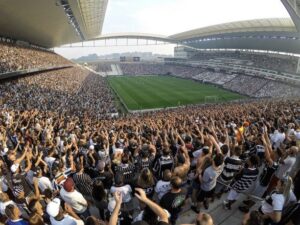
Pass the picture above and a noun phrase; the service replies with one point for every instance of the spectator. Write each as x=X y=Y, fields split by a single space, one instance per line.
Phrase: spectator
x=146 y=181
x=244 y=180
x=100 y=197
x=209 y=181
x=59 y=217
x=74 y=198
x=13 y=214
x=164 y=185
x=174 y=199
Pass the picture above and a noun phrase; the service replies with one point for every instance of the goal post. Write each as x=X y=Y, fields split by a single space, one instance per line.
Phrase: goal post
x=211 y=99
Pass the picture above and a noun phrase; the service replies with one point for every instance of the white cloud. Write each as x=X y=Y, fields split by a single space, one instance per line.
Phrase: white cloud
x=181 y=15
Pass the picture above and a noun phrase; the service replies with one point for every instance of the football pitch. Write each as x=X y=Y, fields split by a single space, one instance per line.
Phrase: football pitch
x=149 y=92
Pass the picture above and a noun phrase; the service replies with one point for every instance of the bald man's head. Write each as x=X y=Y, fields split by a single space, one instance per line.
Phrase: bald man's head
x=204 y=219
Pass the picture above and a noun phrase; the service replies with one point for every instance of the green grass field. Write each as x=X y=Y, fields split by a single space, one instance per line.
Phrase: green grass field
x=148 y=92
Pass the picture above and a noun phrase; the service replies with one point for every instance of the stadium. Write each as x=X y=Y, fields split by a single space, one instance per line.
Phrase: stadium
x=209 y=135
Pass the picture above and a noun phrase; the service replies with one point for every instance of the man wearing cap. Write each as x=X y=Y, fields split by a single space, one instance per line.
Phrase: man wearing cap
x=74 y=198
x=59 y=217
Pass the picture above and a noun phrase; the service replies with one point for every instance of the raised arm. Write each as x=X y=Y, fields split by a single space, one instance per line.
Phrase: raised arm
x=227 y=138
x=28 y=163
x=215 y=144
x=268 y=148
x=180 y=139
x=186 y=156
x=113 y=220
x=21 y=158
x=159 y=211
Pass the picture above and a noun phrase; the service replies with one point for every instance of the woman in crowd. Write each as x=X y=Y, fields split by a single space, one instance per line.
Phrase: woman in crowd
x=147 y=182
x=99 y=197
x=272 y=207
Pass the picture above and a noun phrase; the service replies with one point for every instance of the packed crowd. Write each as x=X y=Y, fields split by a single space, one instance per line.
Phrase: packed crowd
x=69 y=91
x=59 y=161
x=142 y=68
x=104 y=67
x=246 y=84
x=276 y=89
x=158 y=69
x=14 y=57
x=279 y=63
x=214 y=77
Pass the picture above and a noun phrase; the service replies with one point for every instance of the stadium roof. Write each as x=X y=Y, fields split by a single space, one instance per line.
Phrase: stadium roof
x=135 y=35
x=257 y=25
x=273 y=34
x=50 y=23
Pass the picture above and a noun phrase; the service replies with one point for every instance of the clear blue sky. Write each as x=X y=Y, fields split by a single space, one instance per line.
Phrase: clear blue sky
x=167 y=17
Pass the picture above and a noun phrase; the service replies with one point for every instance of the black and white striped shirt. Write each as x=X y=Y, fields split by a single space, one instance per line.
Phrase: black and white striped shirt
x=248 y=176
x=232 y=166
x=83 y=183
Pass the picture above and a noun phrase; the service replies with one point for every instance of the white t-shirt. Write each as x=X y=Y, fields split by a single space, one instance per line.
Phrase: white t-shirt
x=3 y=183
x=297 y=134
x=277 y=138
x=49 y=160
x=286 y=167
x=277 y=204
x=196 y=154
x=44 y=183
x=124 y=190
x=75 y=200
x=68 y=220
x=117 y=150
x=162 y=187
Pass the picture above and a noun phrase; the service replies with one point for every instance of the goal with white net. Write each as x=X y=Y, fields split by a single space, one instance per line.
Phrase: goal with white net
x=211 y=99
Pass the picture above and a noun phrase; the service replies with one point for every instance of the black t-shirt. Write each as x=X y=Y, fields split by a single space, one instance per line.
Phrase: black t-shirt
x=141 y=163
x=162 y=223
x=128 y=171
x=145 y=223
x=267 y=174
x=163 y=163
x=106 y=178
x=149 y=190
x=295 y=218
x=173 y=202
x=291 y=213
x=297 y=185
